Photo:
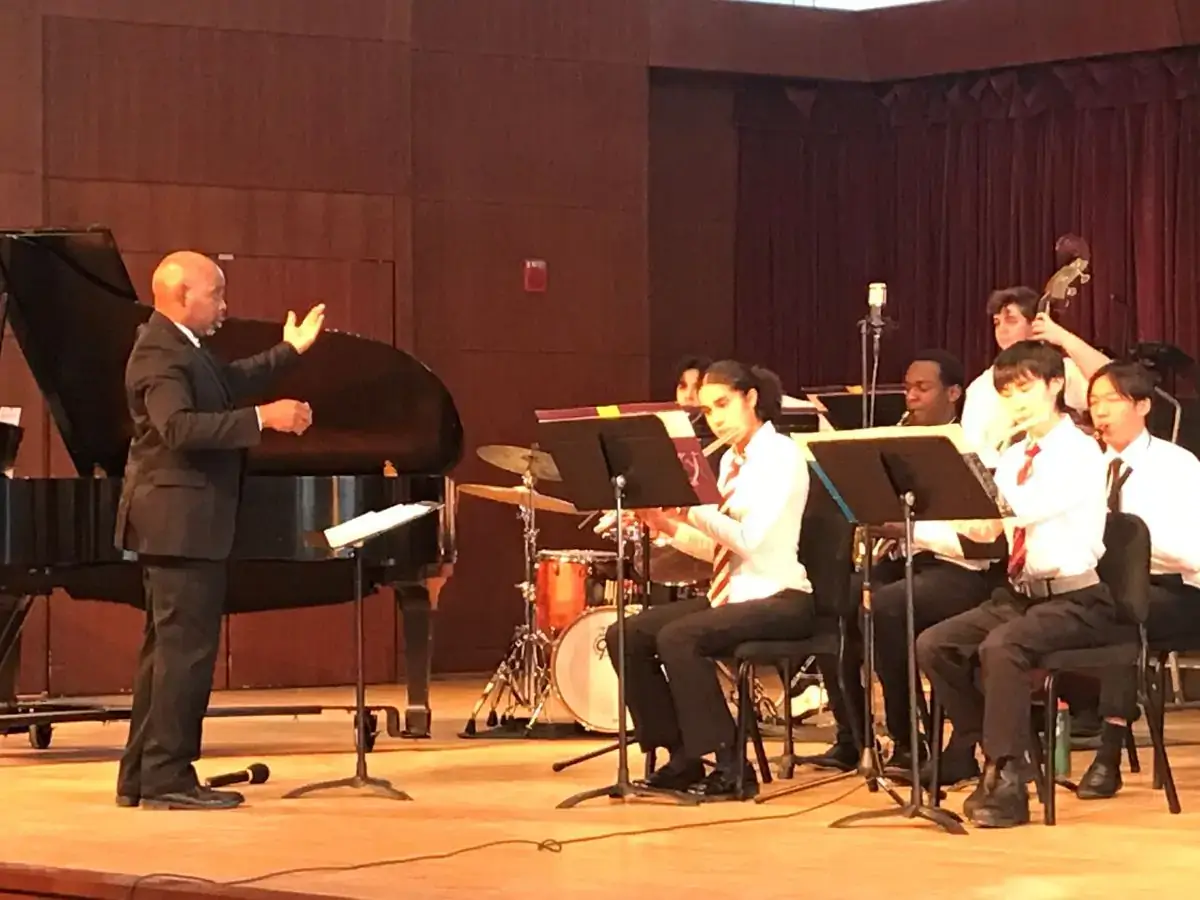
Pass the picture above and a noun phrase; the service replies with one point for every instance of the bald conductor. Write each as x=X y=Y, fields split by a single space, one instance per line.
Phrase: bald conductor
x=178 y=510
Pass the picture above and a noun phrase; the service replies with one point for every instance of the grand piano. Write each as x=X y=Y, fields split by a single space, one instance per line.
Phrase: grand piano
x=385 y=431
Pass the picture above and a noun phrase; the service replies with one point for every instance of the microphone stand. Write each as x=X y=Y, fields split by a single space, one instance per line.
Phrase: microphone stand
x=870 y=765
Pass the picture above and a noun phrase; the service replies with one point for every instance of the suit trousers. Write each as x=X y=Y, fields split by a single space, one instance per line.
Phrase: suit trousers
x=941 y=590
x=1006 y=637
x=1174 y=615
x=672 y=690
x=185 y=599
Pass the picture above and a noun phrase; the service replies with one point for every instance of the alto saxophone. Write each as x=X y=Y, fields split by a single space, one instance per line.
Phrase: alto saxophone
x=882 y=547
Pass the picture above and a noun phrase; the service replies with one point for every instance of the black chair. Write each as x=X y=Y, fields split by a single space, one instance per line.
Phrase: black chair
x=1125 y=568
x=826 y=549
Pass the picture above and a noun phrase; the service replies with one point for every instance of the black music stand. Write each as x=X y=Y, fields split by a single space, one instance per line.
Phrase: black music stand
x=347 y=540
x=619 y=463
x=877 y=480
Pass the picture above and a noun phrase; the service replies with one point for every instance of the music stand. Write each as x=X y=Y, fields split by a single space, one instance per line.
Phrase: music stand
x=919 y=476
x=347 y=540
x=619 y=463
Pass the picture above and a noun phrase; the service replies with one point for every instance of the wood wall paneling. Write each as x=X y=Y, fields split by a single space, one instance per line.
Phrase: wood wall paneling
x=367 y=19
x=159 y=218
x=541 y=132
x=756 y=38
x=605 y=30
x=202 y=106
x=468 y=278
x=691 y=219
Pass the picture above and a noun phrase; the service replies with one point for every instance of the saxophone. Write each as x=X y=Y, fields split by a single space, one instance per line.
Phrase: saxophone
x=882 y=547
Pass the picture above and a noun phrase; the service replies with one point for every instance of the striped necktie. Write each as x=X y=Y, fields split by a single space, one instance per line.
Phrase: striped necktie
x=718 y=592
x=1018 y=553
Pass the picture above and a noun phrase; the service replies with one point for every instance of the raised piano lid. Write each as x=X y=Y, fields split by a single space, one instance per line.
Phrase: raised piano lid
x=75 y=313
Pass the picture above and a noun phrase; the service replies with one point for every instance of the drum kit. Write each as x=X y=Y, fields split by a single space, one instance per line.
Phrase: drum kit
x=570 y=601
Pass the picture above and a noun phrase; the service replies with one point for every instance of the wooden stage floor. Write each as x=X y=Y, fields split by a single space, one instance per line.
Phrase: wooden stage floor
x=59 y=813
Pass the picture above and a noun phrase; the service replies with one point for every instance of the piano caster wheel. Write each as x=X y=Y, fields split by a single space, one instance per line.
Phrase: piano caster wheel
x=372 y=732
x=40 y=735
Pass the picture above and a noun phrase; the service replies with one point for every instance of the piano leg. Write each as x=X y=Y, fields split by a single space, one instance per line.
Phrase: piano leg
x=416 y=610
x=13 y=611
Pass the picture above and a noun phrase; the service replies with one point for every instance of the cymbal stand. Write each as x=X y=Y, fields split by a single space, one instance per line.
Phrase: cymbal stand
x=524 y=673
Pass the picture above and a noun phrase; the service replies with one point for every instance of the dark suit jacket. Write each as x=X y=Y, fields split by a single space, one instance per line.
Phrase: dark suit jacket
x=183 y=475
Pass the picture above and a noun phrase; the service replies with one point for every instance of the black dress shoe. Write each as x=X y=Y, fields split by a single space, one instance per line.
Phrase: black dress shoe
x=722 y=784
x=128 y=801
x=675 y=777
x=196 y=798
x=842 y=756
x=1101 y=781
x=1005 y=800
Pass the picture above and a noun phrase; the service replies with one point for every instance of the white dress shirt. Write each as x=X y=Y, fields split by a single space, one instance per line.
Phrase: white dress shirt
x=941 y=539
x=770 y=491
x=984 y=420
x=1063 y=505
x=1163 y=490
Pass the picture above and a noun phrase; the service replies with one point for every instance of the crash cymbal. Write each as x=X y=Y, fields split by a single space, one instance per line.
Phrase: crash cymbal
x=518 y=460
x=518 y=496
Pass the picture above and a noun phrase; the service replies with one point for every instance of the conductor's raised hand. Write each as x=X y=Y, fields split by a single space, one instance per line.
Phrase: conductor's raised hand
x=302 y=335
x=288 y=416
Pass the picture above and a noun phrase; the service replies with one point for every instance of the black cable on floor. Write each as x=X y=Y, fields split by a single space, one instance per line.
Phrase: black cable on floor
x=550 y=845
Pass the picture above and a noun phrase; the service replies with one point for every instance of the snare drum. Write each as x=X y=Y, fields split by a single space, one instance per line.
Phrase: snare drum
x=571 y=581
x=582 y=673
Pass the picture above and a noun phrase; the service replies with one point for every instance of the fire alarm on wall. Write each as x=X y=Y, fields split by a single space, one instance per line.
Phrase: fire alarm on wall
x=535 y=276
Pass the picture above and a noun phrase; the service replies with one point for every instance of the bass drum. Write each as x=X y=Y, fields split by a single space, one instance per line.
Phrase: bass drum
x=582 y=672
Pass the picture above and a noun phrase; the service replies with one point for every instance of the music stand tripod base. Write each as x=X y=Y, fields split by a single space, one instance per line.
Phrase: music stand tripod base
x=362 y=529
x=597 y=458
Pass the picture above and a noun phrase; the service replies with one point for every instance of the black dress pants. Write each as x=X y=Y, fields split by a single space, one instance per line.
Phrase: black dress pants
x=672 y=689
x=1006 y=637
x=184 y=603
x=941 y=590
x=1174 y=615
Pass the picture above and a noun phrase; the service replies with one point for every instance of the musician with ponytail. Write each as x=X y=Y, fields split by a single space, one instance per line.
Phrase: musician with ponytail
x=759 y=587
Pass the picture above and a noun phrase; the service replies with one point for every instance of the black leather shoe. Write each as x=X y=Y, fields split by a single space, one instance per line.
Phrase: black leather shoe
x=1005 y=800
x=128 y=801
x=196 y=798
x=675 y=777
x=1101 y=781
x=842 y=756
x=722 y=785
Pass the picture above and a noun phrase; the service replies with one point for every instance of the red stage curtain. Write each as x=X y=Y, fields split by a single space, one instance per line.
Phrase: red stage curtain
x=948 y=187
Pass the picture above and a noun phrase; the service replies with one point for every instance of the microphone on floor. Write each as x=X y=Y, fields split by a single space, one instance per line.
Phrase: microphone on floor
x=255 y=773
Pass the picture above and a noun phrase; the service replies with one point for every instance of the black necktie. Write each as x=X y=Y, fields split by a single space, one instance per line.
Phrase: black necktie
x=1118 y=474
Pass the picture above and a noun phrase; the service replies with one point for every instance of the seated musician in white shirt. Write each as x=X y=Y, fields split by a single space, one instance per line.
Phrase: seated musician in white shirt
x=944 y=585
x=1054 y=480
x=759 y=588
x=1160 y=483
x=985 y=421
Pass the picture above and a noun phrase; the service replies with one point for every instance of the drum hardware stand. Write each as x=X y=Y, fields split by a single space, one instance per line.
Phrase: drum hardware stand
x=524 y=674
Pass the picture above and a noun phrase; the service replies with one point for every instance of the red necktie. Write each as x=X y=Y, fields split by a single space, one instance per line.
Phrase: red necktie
x=718 y=592
x=1017 y=554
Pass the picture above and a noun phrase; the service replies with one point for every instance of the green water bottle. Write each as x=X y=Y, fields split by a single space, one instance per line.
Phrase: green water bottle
x=1062 y=741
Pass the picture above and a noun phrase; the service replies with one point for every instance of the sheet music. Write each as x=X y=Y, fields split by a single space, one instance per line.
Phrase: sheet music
x=370 y=524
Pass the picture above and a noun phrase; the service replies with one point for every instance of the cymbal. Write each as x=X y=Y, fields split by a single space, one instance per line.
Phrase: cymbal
x=517 y=460
x=518 y=495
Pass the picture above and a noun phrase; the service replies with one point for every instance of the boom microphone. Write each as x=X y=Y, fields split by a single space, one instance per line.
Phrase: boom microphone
x=255 y=773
